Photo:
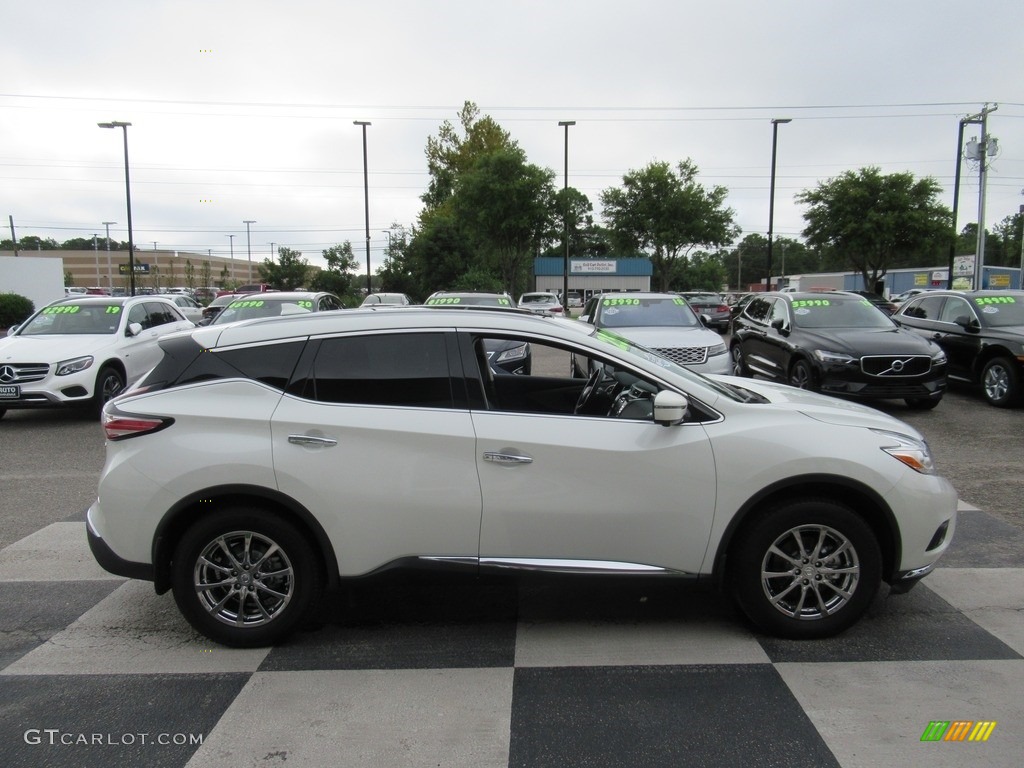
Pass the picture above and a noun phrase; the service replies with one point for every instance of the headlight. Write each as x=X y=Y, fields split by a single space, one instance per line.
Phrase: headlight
x=717 y=349
x=516 y=353
x=939 y=358
x=834 y=358
x=912 y=452
x=74 y=365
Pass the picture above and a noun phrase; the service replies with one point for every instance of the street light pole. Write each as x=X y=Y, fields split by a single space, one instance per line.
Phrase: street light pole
x=771 y=193
x=565 y=218
x=128 y=196
x=110 y=280
x=366 y=203
x=248 y=245
x=231 y=240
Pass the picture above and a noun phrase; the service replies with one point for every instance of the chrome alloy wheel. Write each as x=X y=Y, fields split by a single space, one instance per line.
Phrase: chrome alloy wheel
x=243 y=579
x=996 y=383
x=810 y=572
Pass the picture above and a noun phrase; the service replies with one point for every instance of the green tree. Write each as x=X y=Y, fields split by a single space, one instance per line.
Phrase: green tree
x=666 y=213
x=451 y=154
x=33 y=243
x=290 y=271
x=504 y=205
x=874 y=222
x=339 y=275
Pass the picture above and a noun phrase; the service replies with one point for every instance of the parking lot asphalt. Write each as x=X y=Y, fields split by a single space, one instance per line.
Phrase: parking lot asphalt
x=542 y=671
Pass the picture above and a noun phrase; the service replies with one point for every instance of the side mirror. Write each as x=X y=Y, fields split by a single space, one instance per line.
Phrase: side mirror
x=134 y=329
x=967 y=323
x=670 y=408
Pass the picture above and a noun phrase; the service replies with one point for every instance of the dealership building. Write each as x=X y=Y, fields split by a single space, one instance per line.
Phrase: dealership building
x=590 y=276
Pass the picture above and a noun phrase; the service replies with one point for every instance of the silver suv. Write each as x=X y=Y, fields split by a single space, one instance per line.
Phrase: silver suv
x=331 y=445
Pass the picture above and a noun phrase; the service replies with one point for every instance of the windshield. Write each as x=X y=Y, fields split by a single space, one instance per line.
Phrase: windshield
x=246 y=309
x=74 y=319
x=538 y=298
x=464 y=300
x=637 y=313
x=1001 y=311
x=839 y=312
x=649 y=356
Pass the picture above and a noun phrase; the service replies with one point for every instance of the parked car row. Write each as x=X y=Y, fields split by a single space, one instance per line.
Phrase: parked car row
x=840 y=343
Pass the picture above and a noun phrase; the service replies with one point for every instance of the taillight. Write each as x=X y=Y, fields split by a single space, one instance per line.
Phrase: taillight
x=121 y=426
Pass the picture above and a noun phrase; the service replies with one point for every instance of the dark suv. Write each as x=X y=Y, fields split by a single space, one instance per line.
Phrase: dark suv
x=982 y=333
x=712 y=305
x=836 y=343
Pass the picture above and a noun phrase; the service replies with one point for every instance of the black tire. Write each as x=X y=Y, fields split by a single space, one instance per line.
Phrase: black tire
x=230 y=598
x=739 y=364
x=922 y=403
x=806 y=569
x=802 y=376
x=109 y=384
x=1000 y=382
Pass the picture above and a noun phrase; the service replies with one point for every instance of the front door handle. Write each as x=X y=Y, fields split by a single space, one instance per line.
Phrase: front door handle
x=312 y=440
x=506 y=458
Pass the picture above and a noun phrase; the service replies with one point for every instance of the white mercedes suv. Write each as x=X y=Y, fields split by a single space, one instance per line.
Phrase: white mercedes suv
x=795 y=504
x=81 y=351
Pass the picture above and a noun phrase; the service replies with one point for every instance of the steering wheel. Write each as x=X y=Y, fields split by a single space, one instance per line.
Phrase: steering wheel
x=587 y=394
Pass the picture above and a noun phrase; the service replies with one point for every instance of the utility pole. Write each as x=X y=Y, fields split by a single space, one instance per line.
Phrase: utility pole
x=981 y=150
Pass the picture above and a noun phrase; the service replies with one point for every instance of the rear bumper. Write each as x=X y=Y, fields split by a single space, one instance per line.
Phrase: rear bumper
x=111 y=562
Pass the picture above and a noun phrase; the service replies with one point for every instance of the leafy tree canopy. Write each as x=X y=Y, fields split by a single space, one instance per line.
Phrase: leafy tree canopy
x=504 y=205
x=666 y=212
x=451 y=154
x=338 y=277
x=875 y=222
x=290 y=271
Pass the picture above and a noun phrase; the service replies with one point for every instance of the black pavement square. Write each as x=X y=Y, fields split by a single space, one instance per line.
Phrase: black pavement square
x=720 y=716
x=34 y=611
x=65 y=721
x=917 y=626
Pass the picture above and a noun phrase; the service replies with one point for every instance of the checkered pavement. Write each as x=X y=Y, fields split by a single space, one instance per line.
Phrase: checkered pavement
x=413 y=670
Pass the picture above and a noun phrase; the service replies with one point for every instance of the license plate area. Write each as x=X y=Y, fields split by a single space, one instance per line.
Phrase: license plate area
x=9 y=391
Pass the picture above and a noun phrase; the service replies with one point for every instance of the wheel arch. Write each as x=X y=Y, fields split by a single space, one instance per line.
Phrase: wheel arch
x=858 y=497
x=990 y=352
x=194 y=506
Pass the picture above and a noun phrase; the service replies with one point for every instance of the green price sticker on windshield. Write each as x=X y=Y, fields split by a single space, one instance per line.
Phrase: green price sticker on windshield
x=799 y=303
x=64 y=309
x=304 y=303
x=245 y=304
x=443 y=300
x=620 y=302
x=989 y=300
x=112 y=310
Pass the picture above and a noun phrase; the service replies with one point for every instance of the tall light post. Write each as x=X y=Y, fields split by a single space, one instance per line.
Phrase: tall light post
x=565 y=219
x=231 y=240
x=96 y=255
x=388 y=233
x=366 y=203
x=248 y=245
x=771 y=193
x=128 y=196
x=110 y=276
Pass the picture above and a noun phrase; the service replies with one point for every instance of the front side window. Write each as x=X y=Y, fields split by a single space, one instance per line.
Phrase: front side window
x=407 y=369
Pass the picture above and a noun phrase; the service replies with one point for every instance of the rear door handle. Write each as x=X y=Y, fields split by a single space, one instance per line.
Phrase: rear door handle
x=312 y=440
x=506 y=458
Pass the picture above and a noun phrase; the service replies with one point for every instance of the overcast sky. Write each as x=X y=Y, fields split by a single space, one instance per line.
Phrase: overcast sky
x=244 y=110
